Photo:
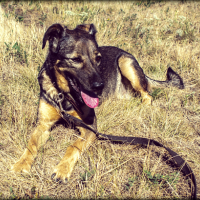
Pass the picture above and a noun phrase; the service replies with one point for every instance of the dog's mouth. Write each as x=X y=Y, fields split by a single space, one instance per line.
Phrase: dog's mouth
x=88 y=97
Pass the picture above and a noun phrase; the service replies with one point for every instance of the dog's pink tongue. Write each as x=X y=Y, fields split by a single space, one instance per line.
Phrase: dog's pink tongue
x=91 y=102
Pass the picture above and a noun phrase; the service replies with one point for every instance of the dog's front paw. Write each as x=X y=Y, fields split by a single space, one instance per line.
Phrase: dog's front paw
x=21 y=166
x=24 y=163
x=64 y=169
x=62 y=172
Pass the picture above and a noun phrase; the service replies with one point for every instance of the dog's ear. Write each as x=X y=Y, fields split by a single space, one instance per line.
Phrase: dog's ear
x=53 y=34
x=89 y=28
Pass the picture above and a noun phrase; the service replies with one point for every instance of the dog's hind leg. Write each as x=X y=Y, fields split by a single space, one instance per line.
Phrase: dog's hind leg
x=130 y=68
x=47 y=116
x=63 y=170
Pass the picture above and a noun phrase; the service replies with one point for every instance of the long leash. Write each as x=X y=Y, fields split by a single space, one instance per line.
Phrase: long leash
x=181 y=163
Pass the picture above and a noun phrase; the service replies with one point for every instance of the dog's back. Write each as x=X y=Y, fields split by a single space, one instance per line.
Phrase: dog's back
x=114 y=82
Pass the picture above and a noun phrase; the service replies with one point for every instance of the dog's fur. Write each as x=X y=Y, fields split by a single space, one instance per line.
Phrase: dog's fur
x=75 y=65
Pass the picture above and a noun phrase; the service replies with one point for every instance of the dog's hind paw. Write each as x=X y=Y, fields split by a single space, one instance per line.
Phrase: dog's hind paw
x=147 y=100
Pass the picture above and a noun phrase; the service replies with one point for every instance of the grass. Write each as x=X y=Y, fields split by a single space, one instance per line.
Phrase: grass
x=158 y=34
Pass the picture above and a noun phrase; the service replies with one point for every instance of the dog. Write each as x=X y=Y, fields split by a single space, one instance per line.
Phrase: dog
x=84 y=74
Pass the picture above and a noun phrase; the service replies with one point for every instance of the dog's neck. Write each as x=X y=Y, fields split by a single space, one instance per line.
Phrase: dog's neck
x=50 y=60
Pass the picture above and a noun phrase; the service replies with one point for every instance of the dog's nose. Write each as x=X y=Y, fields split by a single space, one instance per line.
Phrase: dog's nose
x=97 y=85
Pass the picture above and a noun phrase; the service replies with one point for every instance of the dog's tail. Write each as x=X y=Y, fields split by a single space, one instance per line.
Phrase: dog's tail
x=173 y=80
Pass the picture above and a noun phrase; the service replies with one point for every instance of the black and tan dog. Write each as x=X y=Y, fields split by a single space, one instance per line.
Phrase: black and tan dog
x=77 y=68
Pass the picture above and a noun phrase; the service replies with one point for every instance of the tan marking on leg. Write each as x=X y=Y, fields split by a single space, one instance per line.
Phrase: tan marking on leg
x=128 y=70
x=64 y=169
x=48 y=85
x=46 y=118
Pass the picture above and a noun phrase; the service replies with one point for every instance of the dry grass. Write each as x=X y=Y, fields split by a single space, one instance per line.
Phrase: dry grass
x=157 y=34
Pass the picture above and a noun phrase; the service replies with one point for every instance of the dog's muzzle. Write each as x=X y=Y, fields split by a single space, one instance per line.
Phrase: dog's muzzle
x=96 y=86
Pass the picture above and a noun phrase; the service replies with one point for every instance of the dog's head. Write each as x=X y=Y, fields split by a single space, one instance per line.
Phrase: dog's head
x=78 y=59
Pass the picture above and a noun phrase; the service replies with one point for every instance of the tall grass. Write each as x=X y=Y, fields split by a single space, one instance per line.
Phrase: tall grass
x=158 y=34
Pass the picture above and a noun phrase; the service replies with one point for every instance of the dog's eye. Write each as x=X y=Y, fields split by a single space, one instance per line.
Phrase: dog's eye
x=98 y=58
x=76 y=60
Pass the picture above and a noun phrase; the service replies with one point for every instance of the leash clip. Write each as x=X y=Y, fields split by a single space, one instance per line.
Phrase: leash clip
x=60 y=99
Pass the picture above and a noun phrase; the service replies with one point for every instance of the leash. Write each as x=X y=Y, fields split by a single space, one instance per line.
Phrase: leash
x=181 y=163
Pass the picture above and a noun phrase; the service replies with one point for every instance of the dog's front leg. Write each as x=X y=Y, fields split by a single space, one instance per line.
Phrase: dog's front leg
x=64 y=169
x=47 y=116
